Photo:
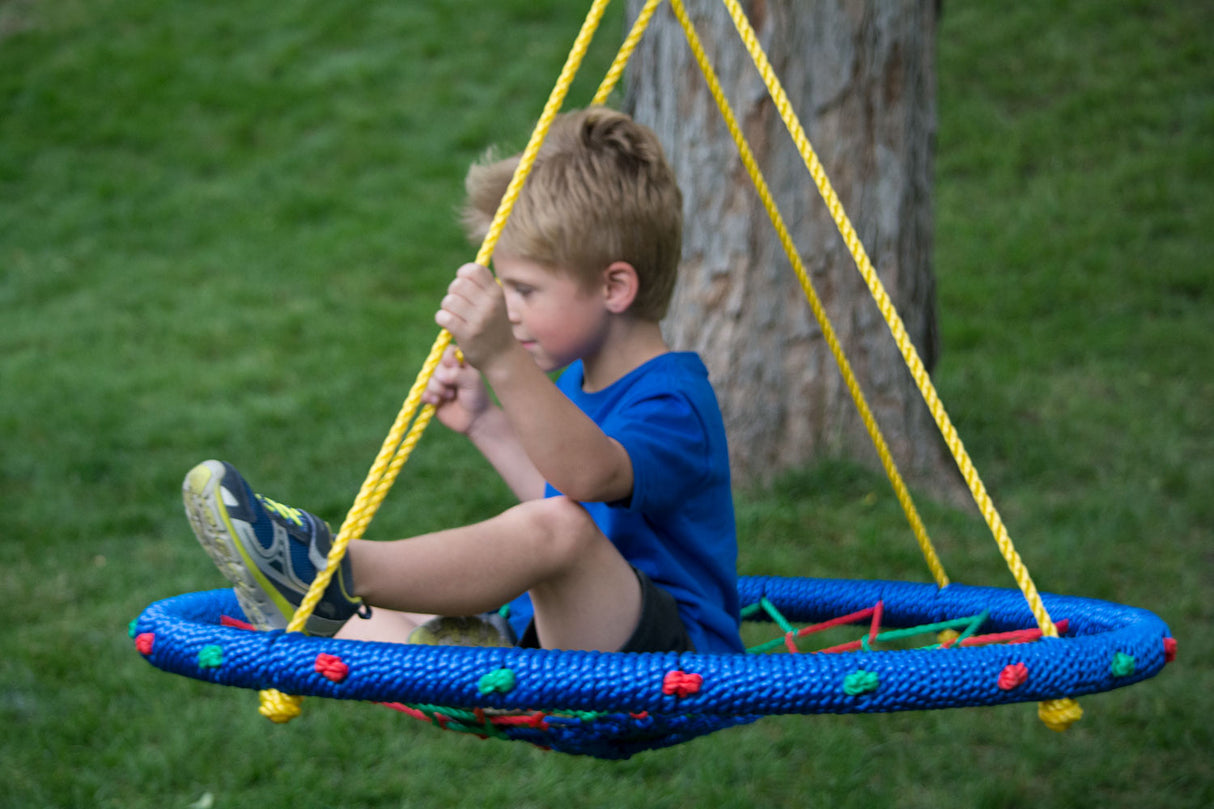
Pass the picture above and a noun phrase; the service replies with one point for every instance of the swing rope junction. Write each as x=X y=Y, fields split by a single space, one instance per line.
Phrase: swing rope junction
x=985 y=645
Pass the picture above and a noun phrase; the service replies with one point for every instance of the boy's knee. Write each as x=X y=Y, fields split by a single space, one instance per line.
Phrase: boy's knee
x=562 y=528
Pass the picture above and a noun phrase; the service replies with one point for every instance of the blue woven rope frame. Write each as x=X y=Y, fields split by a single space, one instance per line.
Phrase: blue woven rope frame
x=1107 y=646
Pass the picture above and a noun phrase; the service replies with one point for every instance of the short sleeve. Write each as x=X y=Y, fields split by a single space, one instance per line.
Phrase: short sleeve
x=669 y=449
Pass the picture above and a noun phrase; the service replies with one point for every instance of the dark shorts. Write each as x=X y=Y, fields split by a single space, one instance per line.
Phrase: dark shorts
x=660 y=628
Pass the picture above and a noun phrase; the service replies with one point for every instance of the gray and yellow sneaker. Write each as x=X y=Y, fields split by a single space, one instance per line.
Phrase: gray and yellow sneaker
x=269 y=552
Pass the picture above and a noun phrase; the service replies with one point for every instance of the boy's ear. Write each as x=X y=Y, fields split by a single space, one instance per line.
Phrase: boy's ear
x=620 y=286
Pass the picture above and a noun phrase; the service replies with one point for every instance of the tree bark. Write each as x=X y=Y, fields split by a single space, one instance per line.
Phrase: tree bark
x=860 y=73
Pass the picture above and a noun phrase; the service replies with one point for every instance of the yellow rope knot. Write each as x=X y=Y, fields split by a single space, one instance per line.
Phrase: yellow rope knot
x=1059 y=714
x=278 y=707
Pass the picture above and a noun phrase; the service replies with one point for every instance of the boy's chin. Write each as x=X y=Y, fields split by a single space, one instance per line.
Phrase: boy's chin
x=547 y=364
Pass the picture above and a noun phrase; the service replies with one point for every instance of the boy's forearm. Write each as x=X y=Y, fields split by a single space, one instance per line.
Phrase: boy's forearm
x=495 y=438
x=568 y=449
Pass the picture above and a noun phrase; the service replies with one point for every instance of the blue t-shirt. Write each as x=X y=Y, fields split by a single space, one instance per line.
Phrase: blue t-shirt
x=678 y=524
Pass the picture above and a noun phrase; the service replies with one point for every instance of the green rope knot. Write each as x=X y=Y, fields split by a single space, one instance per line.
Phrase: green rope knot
x=860 y=682
x=499 y=682
x=210 y=656
x=1123 y=665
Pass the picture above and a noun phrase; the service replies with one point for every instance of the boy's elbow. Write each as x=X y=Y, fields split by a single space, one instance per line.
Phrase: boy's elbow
x=600 y=483
x=599 y=490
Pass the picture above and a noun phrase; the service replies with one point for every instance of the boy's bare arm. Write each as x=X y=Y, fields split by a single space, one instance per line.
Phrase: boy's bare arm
x=493 y=435
x=568 y=449
x=465 y=406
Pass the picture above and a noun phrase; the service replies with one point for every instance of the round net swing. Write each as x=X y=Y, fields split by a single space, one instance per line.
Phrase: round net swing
x=984 y=645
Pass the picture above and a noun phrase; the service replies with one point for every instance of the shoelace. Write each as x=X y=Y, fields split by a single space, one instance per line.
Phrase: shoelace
x=289 y=513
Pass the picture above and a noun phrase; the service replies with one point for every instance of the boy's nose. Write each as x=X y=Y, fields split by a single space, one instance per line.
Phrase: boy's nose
x=511 y=311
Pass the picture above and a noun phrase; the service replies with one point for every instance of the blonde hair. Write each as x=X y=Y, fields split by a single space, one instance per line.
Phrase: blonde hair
x=600 y=191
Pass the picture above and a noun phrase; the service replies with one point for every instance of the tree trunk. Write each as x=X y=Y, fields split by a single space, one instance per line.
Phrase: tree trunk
x=860 y=73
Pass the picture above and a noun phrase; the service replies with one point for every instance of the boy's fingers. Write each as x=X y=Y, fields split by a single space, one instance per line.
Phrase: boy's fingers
x=473 y=271
x=438 y=391
x=453 y=358
x=445 y=374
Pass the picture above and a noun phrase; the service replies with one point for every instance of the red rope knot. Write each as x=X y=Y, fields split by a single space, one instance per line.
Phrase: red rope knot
x=681 y=684
x=1013 y=676
x=143 y=642
x=1169 y=649
x=331 y=666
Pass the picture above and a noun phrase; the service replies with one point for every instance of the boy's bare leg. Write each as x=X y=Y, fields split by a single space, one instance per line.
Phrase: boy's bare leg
x=389 y=626
x=586 y=596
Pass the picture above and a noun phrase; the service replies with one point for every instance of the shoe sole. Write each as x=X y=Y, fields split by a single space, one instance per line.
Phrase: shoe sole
x=204 y=507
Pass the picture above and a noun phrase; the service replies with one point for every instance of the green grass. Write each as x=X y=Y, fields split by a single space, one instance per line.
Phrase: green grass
x=223 y=231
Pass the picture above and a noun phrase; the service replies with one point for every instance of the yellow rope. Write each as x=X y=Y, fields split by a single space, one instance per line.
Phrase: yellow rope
x=1058 y=708
x=877 y=289
x=815 y=303
x=395 y=451
x=625 y=53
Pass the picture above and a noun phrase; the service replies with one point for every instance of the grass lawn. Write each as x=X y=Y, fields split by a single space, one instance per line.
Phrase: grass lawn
x=224 y=228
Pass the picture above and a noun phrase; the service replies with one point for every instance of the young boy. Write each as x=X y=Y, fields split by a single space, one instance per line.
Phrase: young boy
x=624 y=536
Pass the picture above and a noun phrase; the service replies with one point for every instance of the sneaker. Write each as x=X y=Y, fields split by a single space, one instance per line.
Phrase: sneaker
x=270 y=552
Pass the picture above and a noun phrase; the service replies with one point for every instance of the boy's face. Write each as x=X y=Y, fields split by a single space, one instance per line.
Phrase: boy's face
x=555 y=316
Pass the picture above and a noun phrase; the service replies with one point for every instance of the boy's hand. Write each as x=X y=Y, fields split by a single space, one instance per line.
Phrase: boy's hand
x=474 y=311
x=458 y=393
